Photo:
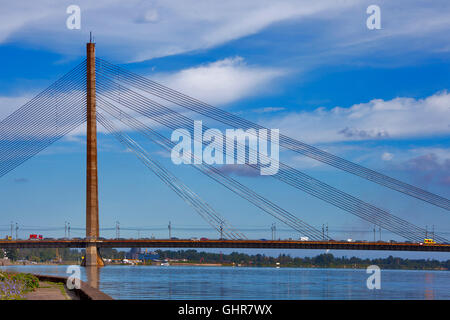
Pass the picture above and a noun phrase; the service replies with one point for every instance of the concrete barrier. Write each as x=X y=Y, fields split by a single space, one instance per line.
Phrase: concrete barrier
x=86 y=292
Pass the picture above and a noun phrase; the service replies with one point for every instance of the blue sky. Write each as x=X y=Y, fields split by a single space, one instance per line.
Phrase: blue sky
x=313 y=70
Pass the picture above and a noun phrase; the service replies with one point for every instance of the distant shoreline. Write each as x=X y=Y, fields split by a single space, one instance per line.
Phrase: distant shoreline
x=195 y=264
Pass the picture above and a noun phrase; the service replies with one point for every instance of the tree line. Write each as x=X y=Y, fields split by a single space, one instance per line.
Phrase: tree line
x=325 y=260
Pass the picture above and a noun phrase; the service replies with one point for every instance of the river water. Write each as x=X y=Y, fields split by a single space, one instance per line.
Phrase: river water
x=183 y=282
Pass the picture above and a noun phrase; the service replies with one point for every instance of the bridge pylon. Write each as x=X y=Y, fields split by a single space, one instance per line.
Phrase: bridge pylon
x=92 y=257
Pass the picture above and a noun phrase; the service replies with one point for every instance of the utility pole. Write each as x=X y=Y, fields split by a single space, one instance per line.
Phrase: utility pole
x=432 y=232
x=374 y=234
x=379 y=230
x=221 y=230
x=57 y=255
x=117 y=230
x=12 y=227
x=68 y=229
x=273 y=228
x=17 y=231
x=426 y=232
x=323 y=232
x=170 y=230
x=65 y=229
x=327 y=231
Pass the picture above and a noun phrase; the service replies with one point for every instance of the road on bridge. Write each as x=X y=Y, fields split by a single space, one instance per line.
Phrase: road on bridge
x=255 y=244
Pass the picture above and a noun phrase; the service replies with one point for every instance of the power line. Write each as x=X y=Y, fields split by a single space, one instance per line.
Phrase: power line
x=176 y=185
x=39 y=122
x=223 y=116
x=173 y=120
x=213 y=172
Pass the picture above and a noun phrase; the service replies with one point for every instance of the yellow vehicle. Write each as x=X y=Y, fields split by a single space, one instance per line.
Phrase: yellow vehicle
x=429 y=241
x=8 y=238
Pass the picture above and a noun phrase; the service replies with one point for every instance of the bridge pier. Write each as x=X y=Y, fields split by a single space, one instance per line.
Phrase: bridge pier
x=93 y=276
x=92 y=257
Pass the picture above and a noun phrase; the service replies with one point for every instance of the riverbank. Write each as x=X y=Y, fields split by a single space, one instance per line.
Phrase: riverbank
x=28 y=286
x=51 y=291
x=198 y=264
x=238 y=265
x=14 y=286
x=84 y=292
x=192 y=257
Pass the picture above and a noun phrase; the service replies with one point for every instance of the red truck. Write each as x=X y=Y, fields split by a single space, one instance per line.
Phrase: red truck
x=35 y=237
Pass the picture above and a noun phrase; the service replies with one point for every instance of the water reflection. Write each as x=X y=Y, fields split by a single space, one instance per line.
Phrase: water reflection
x=429 y=292
x=93 y=276
x=156 y=282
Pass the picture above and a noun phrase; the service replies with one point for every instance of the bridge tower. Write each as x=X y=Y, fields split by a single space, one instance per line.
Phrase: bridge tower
x=92 y=257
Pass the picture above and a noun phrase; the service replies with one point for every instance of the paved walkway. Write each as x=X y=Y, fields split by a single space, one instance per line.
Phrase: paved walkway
x=50 y=291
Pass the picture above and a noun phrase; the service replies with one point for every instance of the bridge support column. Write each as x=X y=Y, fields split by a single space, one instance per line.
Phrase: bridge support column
x=93 y=276
x=92 y=257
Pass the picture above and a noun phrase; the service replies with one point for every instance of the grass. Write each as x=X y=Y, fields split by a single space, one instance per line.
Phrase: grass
x=59 y=285
x=62 y=288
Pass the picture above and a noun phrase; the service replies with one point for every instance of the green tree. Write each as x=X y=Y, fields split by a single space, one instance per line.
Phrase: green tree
x=12 y=254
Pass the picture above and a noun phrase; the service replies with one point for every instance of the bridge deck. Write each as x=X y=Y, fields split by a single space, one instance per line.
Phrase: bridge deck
x=256 y=244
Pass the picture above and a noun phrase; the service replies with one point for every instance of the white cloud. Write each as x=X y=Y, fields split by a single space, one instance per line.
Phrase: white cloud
x=386 y=156
x=139 y=30
x=268 y=109
x=222 y=81
x=442 y=154
x=10 y=104
x=429 y=165
x=378 y=119
x=136 y=30
x=149 y=16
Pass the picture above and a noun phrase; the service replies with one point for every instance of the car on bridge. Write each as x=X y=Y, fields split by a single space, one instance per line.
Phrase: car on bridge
x=203 y=239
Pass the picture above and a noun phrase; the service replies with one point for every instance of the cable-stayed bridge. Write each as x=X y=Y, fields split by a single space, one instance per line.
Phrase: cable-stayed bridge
x=96 y=91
